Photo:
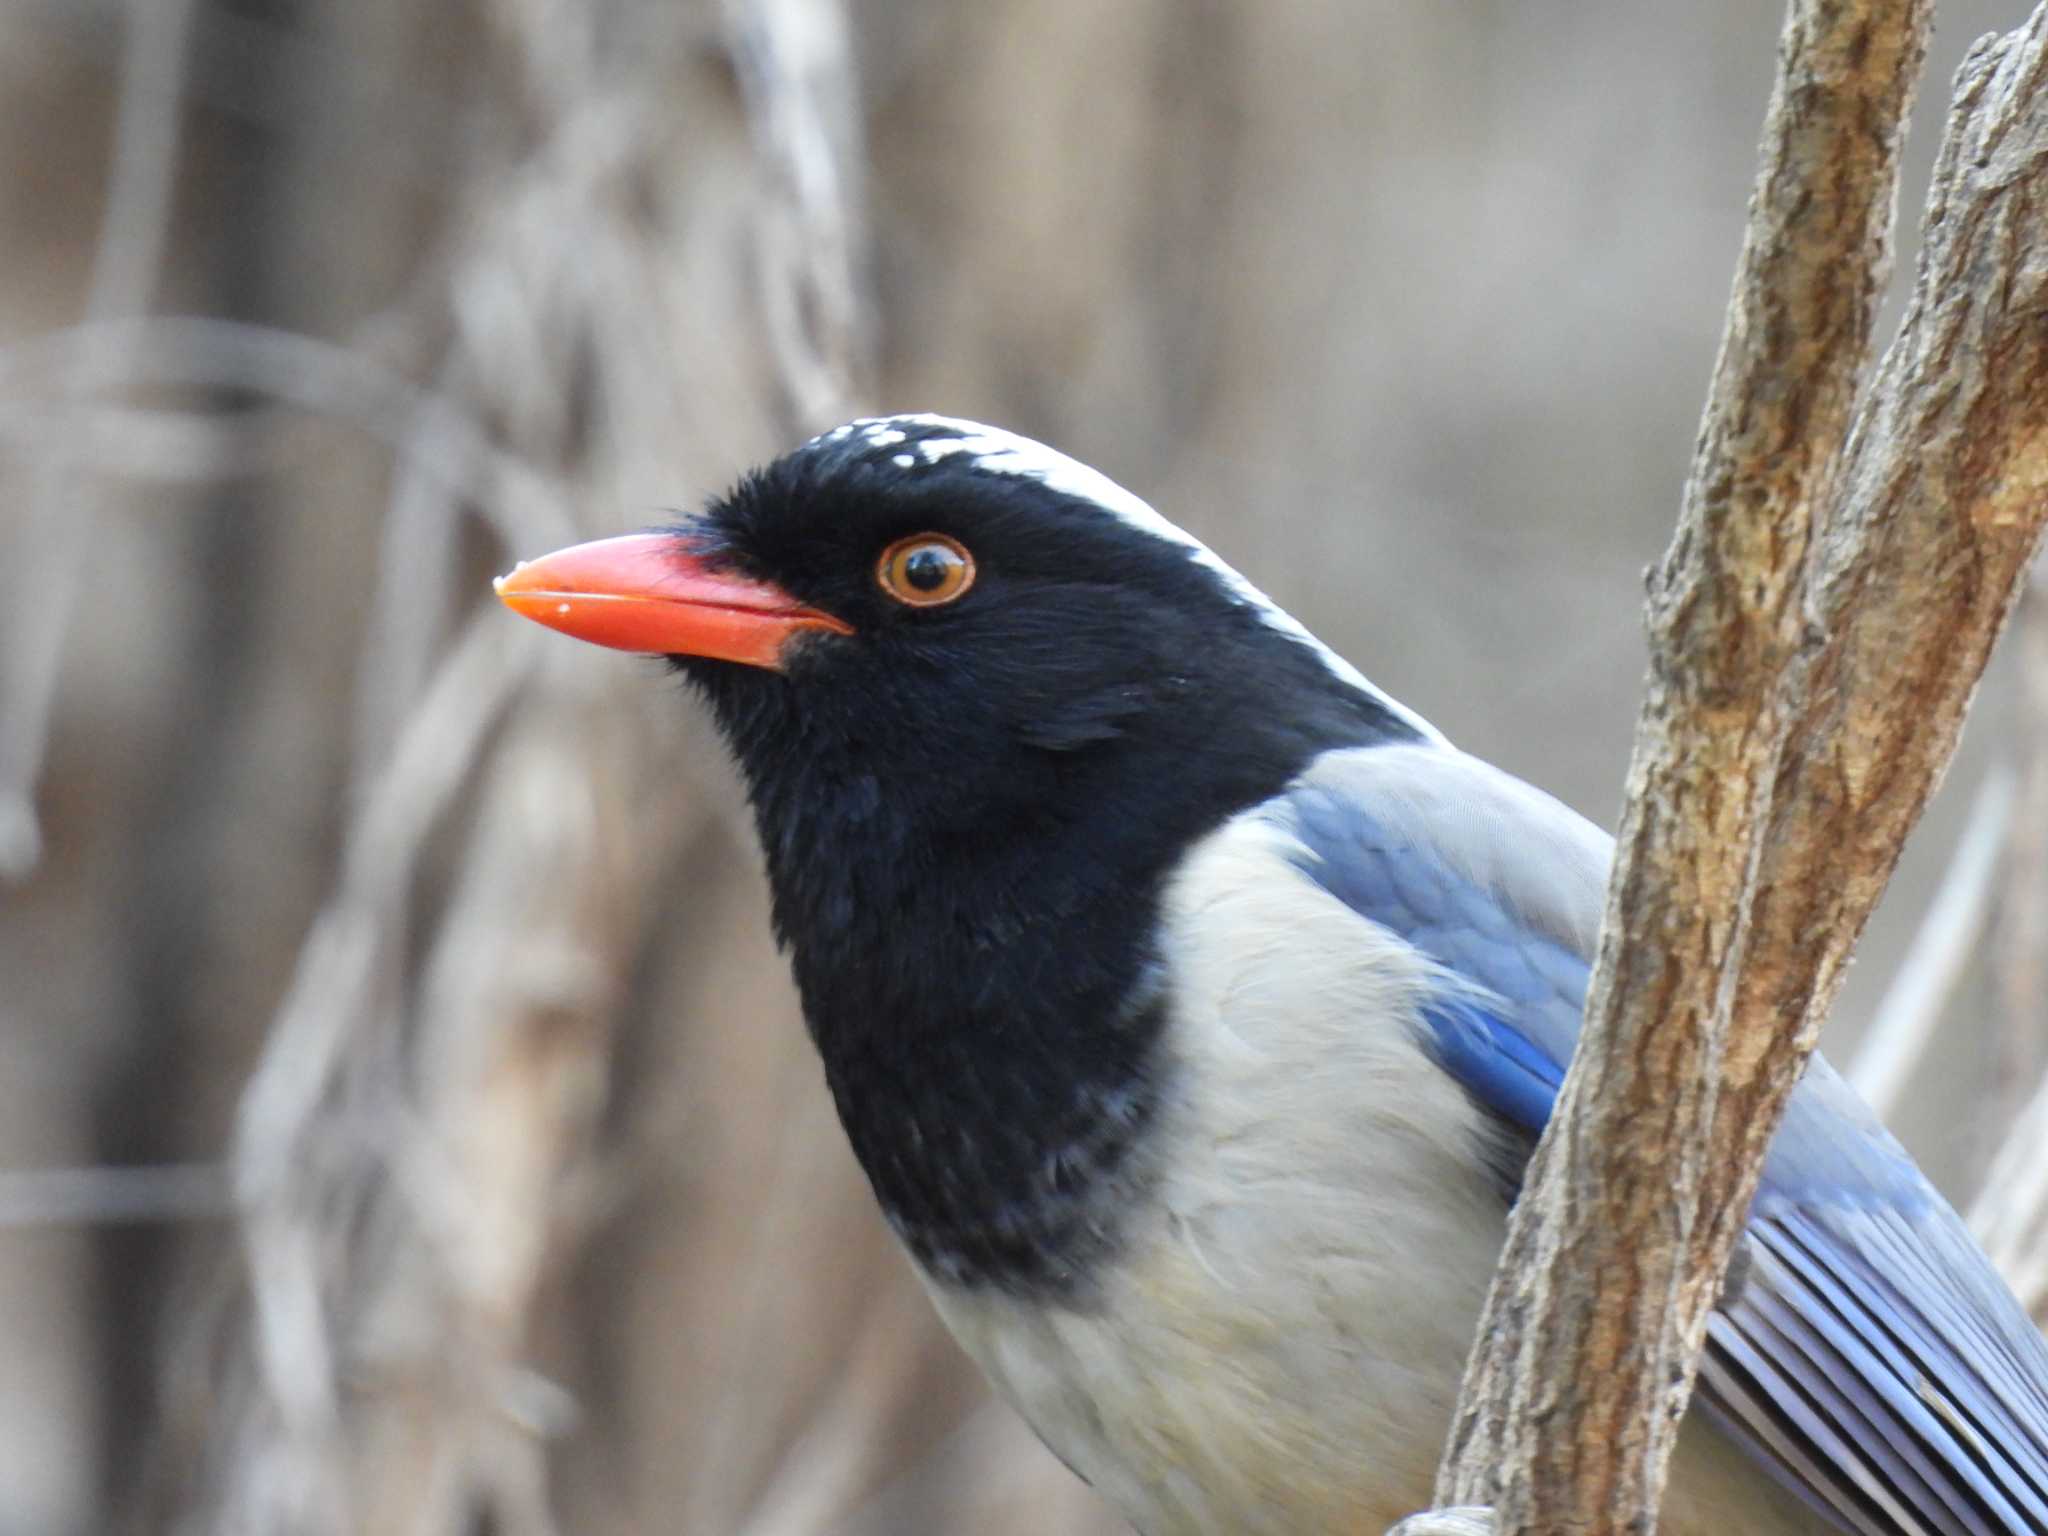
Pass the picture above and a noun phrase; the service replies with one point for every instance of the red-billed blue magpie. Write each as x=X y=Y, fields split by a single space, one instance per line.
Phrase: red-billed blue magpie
x=1192 y=1007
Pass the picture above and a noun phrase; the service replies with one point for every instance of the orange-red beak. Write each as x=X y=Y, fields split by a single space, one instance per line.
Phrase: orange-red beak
x=645 y=592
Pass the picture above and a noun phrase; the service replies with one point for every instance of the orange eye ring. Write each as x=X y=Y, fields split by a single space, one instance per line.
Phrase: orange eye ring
x=925 y=570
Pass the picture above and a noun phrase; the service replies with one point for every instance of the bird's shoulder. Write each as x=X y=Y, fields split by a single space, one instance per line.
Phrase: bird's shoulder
x=1865 y=1347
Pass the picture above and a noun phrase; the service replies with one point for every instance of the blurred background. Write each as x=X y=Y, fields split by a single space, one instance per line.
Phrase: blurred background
x=404 y=1122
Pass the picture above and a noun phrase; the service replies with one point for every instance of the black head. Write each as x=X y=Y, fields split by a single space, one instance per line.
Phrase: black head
x=1092 y=637
x=985 y=701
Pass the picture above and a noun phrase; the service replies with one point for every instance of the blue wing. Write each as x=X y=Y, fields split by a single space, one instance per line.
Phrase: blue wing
x=1865 y=1349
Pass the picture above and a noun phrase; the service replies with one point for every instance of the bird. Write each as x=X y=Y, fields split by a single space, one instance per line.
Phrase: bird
x=1193 y=1007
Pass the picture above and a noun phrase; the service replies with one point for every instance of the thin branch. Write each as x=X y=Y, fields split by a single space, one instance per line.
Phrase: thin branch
x=794 y=58
x=1948 y=937
x=65 y=1197
x=1936 y=517
x=58 y=525
x=279 y=1124
x=524 y=505
x=387 y=834
x=1467 y=1520
x=2021 y=957
x=2010 y=1214
x=144 y=443
x=416 y=566
x=431 y=1083
x=1921 y=552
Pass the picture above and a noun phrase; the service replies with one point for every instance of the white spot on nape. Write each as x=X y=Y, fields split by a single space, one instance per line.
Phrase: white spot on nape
x=903 y=460
x=883 y=436
x=997 y=452
x=561 y=608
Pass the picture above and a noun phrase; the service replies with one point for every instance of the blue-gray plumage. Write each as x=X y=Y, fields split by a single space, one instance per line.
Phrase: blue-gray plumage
x=1192 y=1007
x=1864 y=1320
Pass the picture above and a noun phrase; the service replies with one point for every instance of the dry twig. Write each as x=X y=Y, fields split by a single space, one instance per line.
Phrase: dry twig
x=60 y=515
x=47 y=1197
x=1911 y=1013
x=1804 y=700
x=2010 y=1214
x=407 y=1144
x=2021 y=956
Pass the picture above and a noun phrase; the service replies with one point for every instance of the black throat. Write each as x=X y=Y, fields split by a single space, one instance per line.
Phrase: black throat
x=975 y=934
x=986 y=997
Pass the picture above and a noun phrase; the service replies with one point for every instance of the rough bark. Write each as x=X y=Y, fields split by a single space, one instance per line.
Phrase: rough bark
x=1817 y=631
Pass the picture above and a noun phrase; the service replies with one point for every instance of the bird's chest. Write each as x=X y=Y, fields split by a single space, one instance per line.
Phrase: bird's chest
x=1278 y=1346
x=1277 y=1343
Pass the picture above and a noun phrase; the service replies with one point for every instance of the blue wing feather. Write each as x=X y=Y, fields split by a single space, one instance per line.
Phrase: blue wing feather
x=1869 y=1355
x=1493 y=1063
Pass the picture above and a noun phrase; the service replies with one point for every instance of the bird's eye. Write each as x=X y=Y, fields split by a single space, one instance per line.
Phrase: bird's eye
x=925 y=570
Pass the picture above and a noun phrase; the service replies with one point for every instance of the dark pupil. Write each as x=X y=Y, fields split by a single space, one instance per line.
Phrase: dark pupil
x=925 y=569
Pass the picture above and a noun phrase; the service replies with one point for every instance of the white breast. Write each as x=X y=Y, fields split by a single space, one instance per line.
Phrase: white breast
x=1278 y=1350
